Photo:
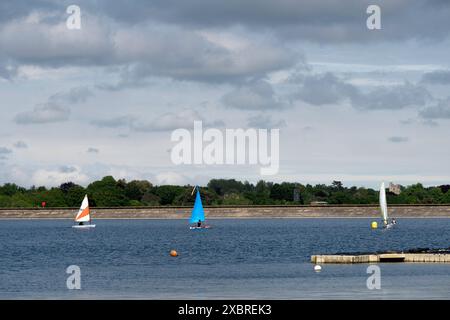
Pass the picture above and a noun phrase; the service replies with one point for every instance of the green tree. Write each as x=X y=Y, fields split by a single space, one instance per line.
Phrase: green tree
x=236 y=199
x=74 y=196
x=168 y=193
x=107 y=193
x=20 y=200
x=225 y=186
x=5 y=201
x=10 y=189
x=135 y=203
x=283 y=191
x=262 y=193
x=53 y=198
x=135 y=190
x=433 y=195
x=446 y=198
x=150 y=199
x=337 y=185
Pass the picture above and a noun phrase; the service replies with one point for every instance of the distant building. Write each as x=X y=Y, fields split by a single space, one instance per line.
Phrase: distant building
x=395 y=188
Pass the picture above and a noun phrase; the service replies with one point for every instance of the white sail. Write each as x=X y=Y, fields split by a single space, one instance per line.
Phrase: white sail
x=383 y=204
x=83 y=214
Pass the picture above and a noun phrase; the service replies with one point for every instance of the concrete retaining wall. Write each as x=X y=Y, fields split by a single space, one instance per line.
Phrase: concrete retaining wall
x=233 y=212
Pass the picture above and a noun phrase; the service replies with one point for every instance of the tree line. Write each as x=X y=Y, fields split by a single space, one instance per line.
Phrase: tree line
x=109 y=192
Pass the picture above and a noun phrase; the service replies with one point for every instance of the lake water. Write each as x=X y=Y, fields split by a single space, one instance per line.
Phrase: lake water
x=236 y=259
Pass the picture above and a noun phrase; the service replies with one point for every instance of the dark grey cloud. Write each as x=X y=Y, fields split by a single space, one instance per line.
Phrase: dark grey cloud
x=318 y=21
x=436 y=77
x=7 y=71
x=4 y=150
x=38 y=40
x=92 y=150
x=265 y=121
x=328 y=89
x=392 y=97
x=425 y=122
x=441 y=110
x=150 y=50
x=258 y=95
x=115 y=122
x=193 y=57
x=54 y=110
x=398 y=139
x=10 y=10
x=67 y=169
x=430 y=123
x=20 y=145
x=407 y=122
x=145 y=39
x=4 y=153
x=72 y=96
x=325 y=89
x=46 y=113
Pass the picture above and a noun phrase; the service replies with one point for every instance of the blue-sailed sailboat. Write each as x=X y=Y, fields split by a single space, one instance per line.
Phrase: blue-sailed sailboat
x=198 y=214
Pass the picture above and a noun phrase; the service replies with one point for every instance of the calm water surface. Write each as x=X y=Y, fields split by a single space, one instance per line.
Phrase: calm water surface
x=255 y=259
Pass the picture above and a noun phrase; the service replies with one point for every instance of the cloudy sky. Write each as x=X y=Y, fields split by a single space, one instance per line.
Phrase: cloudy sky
x=352 y=104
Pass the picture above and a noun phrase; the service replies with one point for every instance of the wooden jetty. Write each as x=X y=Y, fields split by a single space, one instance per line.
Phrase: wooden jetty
x=382 y=257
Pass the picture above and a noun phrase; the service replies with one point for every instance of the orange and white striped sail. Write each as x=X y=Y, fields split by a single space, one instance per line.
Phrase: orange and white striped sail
x=83 y=214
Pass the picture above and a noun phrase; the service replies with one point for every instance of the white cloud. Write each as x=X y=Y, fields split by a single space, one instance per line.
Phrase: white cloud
x=183 y=118
x=45 y=177
x=170 y=177
x=168 y=121
x=46 y=113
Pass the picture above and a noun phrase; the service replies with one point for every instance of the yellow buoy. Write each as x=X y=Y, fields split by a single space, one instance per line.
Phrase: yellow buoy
x=374 y=225
x=173 y=253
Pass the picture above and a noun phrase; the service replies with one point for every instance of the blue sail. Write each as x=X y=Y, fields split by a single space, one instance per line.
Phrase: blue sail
x=197 y=211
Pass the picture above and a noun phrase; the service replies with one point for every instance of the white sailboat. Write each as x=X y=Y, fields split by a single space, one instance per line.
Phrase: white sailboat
x=384 y=209
x=83 y=216
x=198 y=214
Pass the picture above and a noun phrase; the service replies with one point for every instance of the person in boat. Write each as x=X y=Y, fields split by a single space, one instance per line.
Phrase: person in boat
x=199 y=223
x=81 y=223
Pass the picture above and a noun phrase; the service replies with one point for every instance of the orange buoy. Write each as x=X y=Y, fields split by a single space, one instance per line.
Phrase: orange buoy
x=173 y=253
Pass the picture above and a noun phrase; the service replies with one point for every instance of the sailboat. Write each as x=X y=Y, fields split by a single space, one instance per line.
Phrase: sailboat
x=384 y=210
x=84 y=215
x=198 y=214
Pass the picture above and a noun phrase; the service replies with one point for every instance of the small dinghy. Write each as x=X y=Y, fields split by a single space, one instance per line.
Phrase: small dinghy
x=83 y=216
x=198 y=214
x=384 y=210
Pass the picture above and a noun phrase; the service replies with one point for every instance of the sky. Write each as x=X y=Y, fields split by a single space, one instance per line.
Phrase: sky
x=352 y=104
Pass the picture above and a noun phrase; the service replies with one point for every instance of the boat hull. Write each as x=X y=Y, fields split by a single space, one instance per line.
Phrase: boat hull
x=84 y=226
x=199 y=228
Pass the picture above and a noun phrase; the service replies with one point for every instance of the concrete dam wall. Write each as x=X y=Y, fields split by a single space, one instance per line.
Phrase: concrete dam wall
x=328 y=211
